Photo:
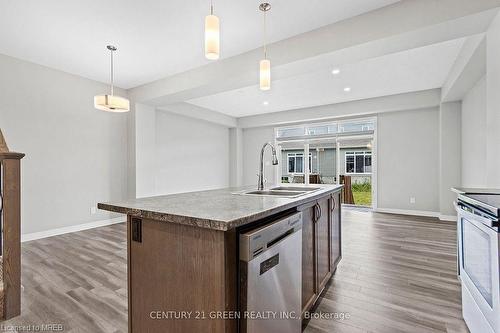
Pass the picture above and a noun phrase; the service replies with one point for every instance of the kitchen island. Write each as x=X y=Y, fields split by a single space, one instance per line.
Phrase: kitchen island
x=183 y=264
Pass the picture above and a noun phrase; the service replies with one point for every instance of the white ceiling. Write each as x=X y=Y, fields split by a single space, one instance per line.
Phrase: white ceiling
x=413 y=70
x=156 y=38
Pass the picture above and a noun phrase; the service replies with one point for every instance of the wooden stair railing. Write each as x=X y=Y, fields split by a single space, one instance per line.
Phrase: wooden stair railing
x=10 y=213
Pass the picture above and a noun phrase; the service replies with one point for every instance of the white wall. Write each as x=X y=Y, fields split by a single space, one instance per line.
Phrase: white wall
x=408 y=160
x=450 y=159
x=145 y=151
x=190 y=154
x=474 y=136
x=493 y=105
x=131 y=167
x=76 y=155
x=253 y=140
x=235 y=157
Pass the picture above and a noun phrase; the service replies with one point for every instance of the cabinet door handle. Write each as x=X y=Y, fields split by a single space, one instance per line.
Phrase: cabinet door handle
x=316 y=213
x=334 y=204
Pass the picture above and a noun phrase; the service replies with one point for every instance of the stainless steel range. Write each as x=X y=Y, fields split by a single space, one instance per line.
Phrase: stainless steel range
x=478 y=260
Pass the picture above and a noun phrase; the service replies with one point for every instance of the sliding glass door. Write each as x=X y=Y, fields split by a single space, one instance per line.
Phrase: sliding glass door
x=356 y=170
x=324 y=154
x=293 y=161
x=331 y=153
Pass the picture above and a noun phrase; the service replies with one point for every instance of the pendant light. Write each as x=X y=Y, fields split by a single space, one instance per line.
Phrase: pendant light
x=111 y=103
x=265 y=64
x=212 y=35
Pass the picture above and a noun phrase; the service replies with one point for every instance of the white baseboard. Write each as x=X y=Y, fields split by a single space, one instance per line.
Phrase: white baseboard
x=407 y=212
x=447 y=217
x=73 y=228
x=424 y=213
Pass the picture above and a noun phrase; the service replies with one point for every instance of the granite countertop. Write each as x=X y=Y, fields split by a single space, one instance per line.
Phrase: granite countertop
x=464 y=190
x=215 y=209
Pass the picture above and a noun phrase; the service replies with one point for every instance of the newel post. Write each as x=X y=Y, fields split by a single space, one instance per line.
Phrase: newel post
x=10 y=209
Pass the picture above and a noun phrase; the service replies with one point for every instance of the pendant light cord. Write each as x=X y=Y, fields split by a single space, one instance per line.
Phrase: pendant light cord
x=265 y=36
x=112 y=74
x=211 y=7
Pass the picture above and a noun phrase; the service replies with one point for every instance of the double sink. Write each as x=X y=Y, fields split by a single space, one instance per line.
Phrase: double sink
x=283 y=191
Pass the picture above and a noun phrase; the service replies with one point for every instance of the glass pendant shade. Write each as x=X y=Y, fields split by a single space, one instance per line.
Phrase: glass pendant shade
x=265 y=64
x=265 y=74
x=212 y=37
x=111 y=103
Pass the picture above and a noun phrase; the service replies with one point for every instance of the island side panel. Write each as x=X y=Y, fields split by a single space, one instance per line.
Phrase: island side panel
x=179 y=269
x=231 y=278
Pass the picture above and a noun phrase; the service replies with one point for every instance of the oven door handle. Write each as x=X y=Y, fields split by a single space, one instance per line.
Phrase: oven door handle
x=488 y=222
x=458 y=209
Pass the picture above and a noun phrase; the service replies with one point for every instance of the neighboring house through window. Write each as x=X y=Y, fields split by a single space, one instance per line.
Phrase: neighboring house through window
x=296 y=162
x=358 y=162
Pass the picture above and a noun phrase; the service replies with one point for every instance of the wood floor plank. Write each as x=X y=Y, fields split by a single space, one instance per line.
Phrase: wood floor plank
x=397 y=274
x=77 y=280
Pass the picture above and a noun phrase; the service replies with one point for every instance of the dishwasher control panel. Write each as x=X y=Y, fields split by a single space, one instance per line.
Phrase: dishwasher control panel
x=255 y=242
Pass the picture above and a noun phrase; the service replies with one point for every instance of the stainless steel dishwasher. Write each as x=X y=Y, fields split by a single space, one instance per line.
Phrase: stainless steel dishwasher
x=271 y=277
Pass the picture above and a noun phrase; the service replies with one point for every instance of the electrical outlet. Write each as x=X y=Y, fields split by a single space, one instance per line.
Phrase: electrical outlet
x=412 y=200
x=93 y=210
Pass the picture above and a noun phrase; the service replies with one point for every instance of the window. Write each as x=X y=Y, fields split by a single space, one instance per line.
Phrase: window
x=325 y=129
x=356 y=126
x=321 y=129
x=296 y=162
x=290 y=132
x=358 y=162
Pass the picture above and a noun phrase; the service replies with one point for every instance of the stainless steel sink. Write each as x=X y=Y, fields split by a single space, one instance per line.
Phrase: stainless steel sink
x=289 y=194
x=295 y=188
x=283 y=191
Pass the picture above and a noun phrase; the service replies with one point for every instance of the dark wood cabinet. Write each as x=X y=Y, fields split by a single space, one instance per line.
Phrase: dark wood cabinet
x=321 y=249
x=336 y=234
x=309 y=289
x=323 y=263
x=178 y=268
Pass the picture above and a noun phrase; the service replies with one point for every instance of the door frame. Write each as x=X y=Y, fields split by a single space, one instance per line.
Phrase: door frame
x=336 y=138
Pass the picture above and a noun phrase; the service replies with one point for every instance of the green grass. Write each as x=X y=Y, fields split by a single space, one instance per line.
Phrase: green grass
x=362 y=198
x=362 y=194
x=361 y=187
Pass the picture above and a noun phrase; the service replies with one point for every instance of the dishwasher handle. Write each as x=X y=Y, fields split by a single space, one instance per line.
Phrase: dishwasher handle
x=256 y=242
x=280 y=238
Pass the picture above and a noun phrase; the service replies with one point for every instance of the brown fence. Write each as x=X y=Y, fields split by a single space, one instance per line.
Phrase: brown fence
x=347 y=196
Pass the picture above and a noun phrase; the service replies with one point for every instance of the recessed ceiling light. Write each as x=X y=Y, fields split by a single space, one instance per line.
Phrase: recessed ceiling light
x=347 y=89
x=336 y=71
x=265 y=103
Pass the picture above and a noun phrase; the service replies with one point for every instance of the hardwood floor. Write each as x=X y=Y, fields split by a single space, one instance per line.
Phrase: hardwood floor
x=77 y=280
x=397 y=274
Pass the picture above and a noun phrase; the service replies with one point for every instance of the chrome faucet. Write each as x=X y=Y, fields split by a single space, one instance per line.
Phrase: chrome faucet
x=260 y=186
